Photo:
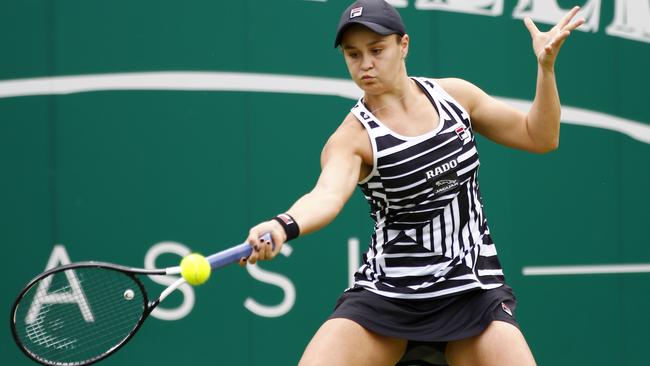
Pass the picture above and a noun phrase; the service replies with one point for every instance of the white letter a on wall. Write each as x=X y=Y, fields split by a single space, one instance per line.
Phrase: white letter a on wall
x=74 y=294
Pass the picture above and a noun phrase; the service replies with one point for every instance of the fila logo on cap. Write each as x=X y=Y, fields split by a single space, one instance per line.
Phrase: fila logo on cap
x=356 y=12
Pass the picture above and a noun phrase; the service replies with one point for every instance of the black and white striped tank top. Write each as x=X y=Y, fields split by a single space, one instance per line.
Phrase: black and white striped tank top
x=430 y=237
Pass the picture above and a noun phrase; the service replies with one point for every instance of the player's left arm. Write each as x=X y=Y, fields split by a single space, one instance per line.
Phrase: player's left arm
x=539 y=129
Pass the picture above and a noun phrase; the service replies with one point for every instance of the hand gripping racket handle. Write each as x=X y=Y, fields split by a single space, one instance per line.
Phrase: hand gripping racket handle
x=234 y=254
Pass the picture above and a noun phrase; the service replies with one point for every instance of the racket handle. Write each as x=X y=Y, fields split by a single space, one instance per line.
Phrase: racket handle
x=234 y=254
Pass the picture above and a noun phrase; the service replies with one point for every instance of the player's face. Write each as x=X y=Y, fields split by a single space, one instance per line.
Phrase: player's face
x=375 y=62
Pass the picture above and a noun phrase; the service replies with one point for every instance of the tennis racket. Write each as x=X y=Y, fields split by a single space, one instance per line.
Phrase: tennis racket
x=81 y=313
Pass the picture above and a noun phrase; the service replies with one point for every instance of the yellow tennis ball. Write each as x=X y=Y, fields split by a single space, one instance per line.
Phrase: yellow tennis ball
x=195 y=269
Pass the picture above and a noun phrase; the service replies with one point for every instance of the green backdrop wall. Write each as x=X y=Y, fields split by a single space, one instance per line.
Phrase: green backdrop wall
x=133 y=132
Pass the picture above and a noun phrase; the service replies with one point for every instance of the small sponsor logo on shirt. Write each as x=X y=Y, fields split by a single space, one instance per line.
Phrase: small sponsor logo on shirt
x=506 y=309
x=440 y=169
x=445 y=182
x=356 y=12
x=445 y=185
x=462 y=133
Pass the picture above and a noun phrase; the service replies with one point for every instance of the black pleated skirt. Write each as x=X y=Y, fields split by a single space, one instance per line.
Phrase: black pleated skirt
x=428 y=324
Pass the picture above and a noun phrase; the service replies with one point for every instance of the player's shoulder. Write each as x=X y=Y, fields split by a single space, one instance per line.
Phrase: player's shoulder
x=350 y=126
x=349 y=129
x=461 y=90
x=455 y=85
x=349 y=135
x=349 y=140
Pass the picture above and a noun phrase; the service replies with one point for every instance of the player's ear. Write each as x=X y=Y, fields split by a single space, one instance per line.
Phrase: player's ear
x=404 y=45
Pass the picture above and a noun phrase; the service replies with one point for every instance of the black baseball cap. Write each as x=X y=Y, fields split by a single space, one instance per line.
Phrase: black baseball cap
x=378 y=15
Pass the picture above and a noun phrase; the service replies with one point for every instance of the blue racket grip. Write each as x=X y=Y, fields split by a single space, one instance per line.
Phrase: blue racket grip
x=234 y=254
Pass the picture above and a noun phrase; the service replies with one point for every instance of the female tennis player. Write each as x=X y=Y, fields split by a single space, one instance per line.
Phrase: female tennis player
x=431 y=289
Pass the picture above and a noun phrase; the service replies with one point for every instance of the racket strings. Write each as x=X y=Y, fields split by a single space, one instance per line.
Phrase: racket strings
x=77 y=315
x=71 y=347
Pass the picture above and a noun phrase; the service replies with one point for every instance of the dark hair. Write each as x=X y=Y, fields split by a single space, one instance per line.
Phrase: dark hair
x=398 y=37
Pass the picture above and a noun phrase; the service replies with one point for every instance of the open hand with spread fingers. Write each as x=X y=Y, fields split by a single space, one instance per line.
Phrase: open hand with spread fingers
x=546 y=45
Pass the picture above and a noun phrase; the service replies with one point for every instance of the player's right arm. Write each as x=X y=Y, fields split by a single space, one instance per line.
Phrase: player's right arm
x=345 y=159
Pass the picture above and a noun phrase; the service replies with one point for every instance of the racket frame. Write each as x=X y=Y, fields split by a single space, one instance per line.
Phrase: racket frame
x=217 y=260
x=148 y=306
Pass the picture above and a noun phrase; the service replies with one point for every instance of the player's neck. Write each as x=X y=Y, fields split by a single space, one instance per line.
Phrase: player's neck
x=394 y=100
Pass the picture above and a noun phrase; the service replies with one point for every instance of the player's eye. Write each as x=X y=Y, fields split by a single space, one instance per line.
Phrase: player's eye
x=376 y=51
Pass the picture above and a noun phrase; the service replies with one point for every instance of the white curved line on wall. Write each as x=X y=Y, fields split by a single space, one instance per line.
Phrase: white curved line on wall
x=269 y=83
x=586 y=269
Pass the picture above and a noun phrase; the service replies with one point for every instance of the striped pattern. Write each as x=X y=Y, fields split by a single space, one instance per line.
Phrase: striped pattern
x=431 y=237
